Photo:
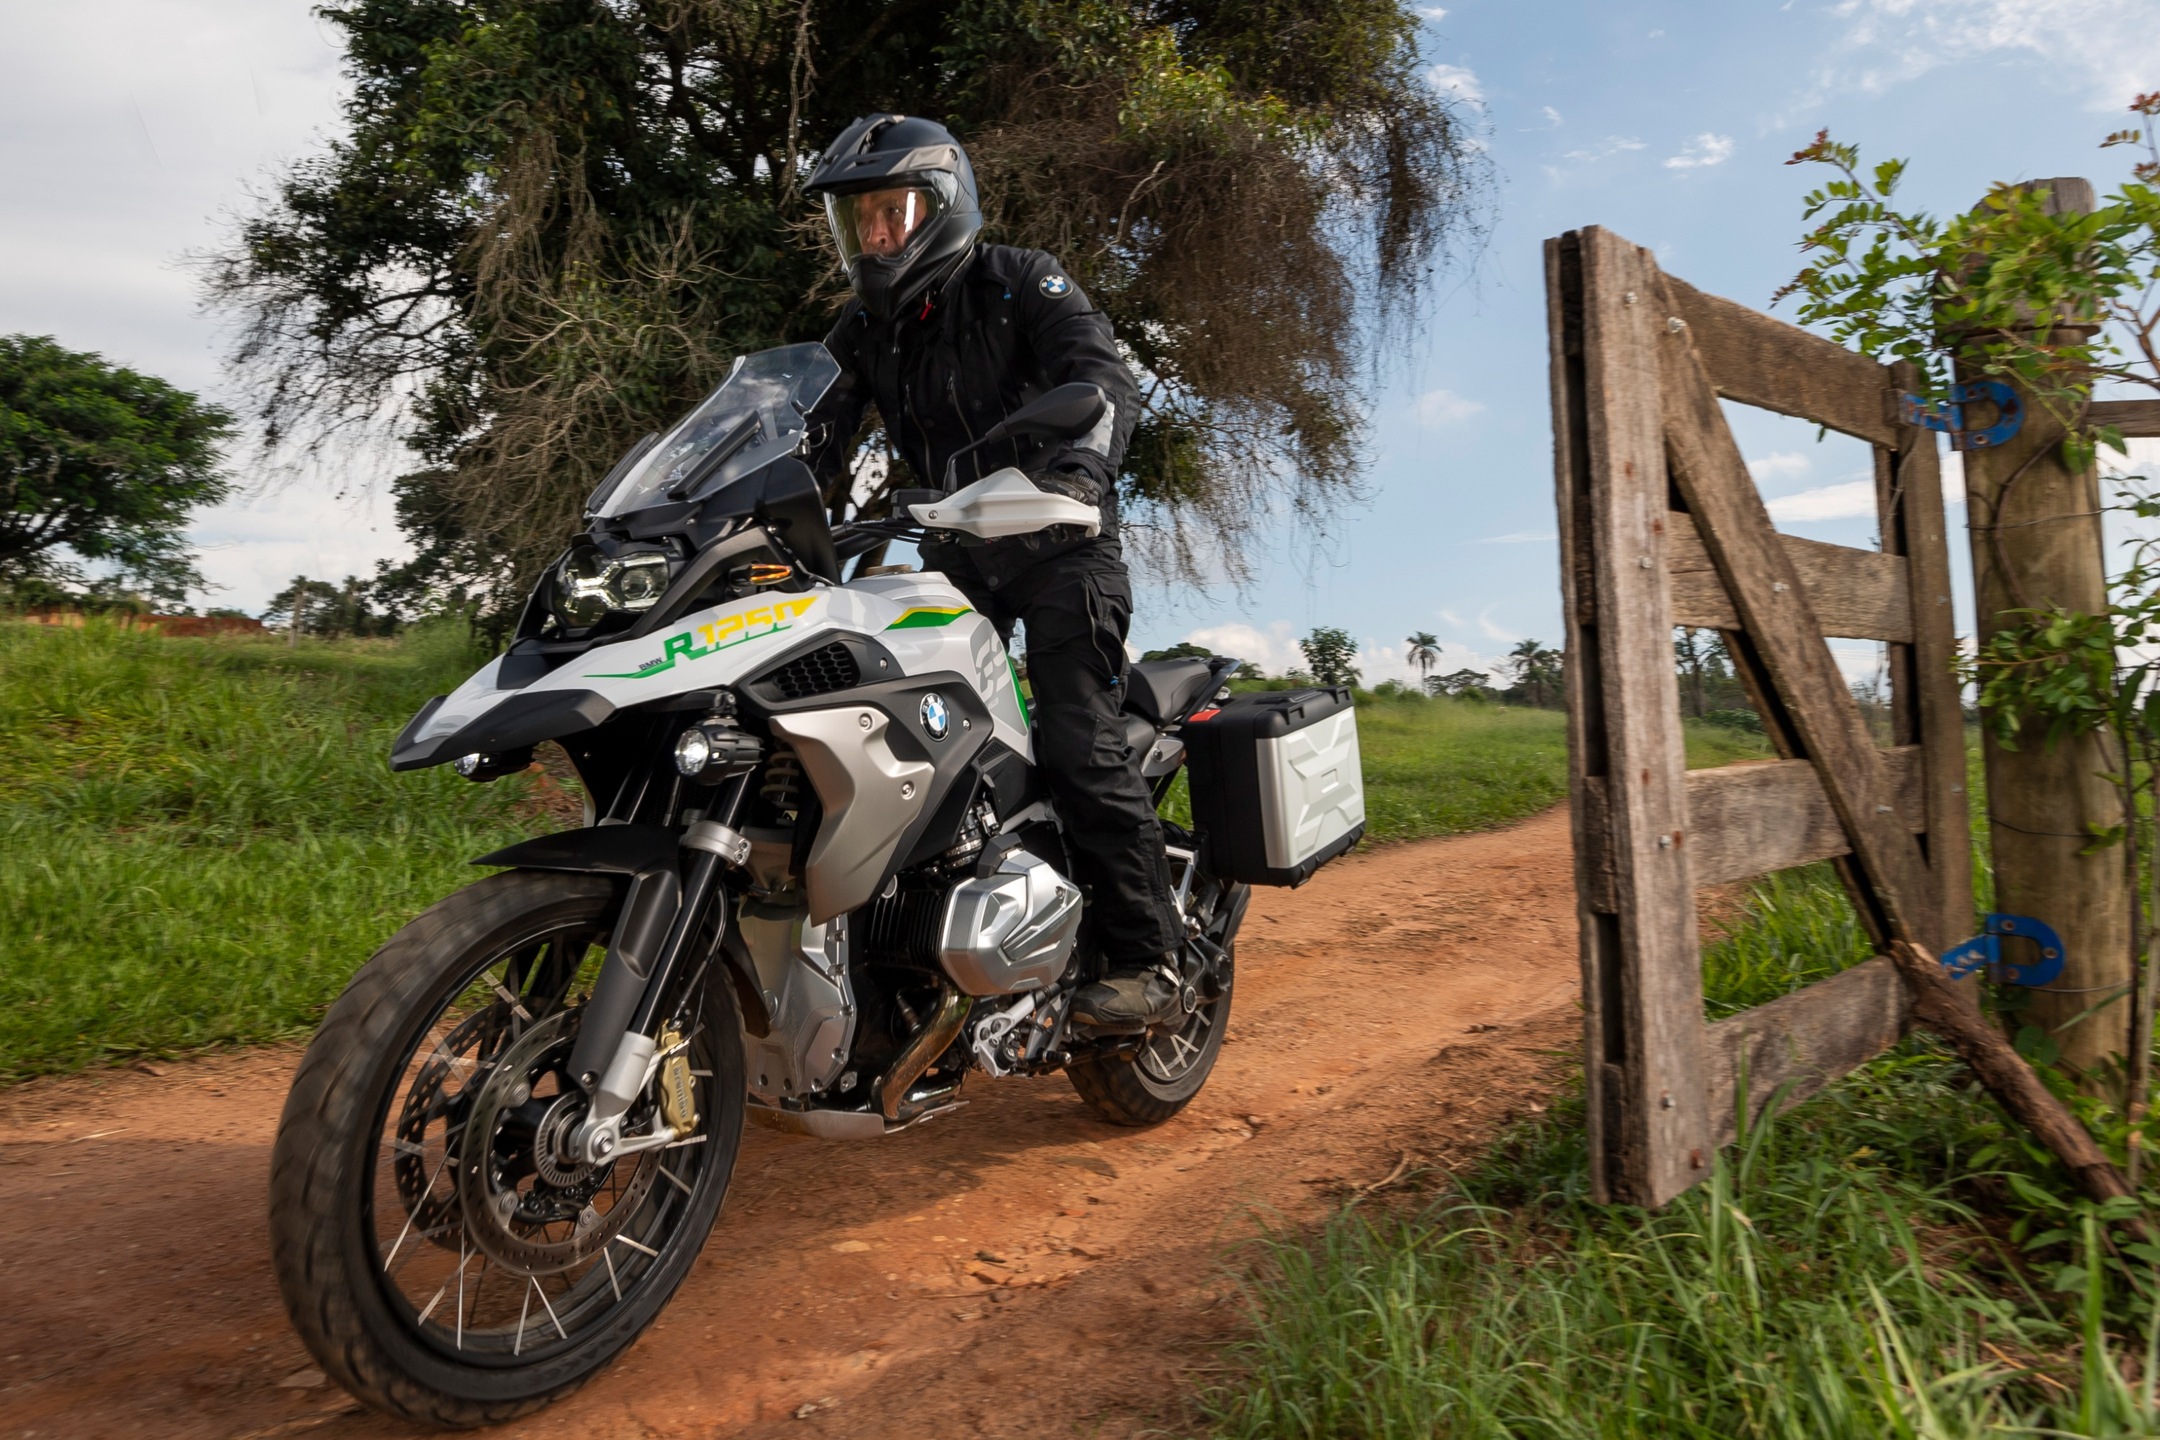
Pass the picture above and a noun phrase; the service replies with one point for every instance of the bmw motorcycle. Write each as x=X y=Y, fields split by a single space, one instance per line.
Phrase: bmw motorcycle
x=819 y=885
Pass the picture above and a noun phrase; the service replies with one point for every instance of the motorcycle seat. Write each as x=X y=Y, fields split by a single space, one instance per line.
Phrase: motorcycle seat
x=1162 y=691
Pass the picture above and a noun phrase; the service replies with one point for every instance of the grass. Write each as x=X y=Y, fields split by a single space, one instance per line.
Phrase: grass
x=199 y=839
x=1844 y=1271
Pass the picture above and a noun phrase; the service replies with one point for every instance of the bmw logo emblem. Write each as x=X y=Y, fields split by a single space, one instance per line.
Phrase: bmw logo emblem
x=1054 y=286
x=936 y=720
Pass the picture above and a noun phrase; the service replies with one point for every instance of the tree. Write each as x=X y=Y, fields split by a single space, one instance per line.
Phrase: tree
x=1332 y=656
x=1475 y=684
x=549 y=224
x=350 y=607
x=1183 y=650
x=103 y=465
x=1424 y=652
x=1537 y=671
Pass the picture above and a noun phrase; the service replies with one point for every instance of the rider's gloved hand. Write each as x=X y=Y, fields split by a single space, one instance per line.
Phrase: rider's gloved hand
x=1072 y=484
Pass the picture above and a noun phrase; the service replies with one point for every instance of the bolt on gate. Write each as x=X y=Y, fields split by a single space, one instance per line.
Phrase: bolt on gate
x=1661 y=526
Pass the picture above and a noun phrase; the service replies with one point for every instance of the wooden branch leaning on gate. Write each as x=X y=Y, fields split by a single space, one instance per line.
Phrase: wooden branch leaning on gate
x=1660 y=525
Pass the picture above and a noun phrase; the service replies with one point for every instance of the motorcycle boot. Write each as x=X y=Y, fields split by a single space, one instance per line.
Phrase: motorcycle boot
x=1130 y=1002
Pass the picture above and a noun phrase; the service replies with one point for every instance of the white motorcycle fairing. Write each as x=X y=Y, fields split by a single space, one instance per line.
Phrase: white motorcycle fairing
x=923 y=622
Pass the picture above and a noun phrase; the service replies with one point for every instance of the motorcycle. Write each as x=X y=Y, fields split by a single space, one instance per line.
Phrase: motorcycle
x=819 y=884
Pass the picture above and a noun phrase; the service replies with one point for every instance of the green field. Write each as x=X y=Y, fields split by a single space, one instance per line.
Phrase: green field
x=200 y=841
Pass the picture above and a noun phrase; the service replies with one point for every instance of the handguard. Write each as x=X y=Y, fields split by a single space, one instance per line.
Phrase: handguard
x=1006 y=503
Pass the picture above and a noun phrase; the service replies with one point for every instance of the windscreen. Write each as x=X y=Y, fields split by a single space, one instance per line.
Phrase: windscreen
x=755 y=417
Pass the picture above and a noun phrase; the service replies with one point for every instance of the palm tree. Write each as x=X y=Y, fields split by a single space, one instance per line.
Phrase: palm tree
x=1535 y=668
x=1424 y=652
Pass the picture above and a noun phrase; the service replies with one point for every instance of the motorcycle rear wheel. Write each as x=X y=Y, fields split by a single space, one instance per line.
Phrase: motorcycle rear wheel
x=459 y=1287
x=1148 y=1086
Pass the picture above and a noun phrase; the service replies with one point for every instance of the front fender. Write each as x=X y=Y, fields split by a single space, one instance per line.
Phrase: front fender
x=596 y=849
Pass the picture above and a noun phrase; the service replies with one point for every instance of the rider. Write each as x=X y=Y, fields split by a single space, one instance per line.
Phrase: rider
x=946 y=337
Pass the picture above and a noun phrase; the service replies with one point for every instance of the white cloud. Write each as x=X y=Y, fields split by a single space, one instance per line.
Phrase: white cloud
x=1433 y=13
x=1273 y=650
x=1781 y=466
x=2108 y=48
x=252 y=546
x=1519 y=537
x=1436 y=408
x=1702 y=152
x=1847 y=501
x=1552 y=117
x=1604 y=149
x=1492 y=631
x=1457 y=82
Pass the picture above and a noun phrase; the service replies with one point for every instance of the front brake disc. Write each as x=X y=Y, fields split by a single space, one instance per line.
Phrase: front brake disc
x=533 y=1212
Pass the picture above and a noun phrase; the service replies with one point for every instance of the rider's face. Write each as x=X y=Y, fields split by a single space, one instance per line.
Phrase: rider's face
x=886 y=219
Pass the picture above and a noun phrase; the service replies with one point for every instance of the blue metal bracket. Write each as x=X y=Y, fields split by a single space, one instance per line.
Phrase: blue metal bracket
x=1950 y=419
x=1968 y=956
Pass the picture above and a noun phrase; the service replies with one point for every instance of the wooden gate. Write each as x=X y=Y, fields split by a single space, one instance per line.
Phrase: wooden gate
x=1661 y=526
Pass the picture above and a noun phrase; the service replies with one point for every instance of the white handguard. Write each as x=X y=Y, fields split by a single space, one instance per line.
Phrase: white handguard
x=1006 y=503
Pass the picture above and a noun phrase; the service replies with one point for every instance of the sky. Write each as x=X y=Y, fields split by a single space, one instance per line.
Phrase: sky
x=133 y=131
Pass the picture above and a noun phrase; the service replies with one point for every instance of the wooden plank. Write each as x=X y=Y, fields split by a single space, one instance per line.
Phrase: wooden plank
x=1803 y=1040
x=1939 y=719
x=1582 y=684
x=2132 y=417
x=1861 y=594
x=1760 y=361
x=1743 y=821
x=1773 y=607
x=1747 y=820
x=1649 y=942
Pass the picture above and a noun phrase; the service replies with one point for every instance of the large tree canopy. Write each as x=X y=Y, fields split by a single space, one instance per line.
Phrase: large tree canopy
x=551 y=223
x=99 y=464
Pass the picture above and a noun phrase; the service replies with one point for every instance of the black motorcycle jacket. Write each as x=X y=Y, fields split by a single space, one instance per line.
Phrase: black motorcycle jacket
x=1008 y=326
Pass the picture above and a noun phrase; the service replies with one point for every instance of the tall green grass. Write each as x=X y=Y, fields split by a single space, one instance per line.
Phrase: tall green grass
x=200 y=839
x=1844 y=1271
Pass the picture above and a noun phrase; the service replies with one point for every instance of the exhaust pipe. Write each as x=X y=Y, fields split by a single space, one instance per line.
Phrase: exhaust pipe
x=937 y=1033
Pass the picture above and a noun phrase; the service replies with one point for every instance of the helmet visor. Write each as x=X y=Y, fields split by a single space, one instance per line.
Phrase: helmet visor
x=886 y=223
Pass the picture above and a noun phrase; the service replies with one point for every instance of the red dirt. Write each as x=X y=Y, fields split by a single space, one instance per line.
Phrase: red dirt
x=1016 y=1269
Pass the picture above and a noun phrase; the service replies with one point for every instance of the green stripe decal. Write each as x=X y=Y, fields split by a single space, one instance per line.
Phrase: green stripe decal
x=927 y=617
x=1027 y=718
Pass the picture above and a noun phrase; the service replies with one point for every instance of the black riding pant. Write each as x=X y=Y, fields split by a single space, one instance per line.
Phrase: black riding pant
x=1077 y=608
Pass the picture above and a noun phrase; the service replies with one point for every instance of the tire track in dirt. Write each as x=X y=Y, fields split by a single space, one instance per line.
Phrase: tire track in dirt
x=1017 y=1269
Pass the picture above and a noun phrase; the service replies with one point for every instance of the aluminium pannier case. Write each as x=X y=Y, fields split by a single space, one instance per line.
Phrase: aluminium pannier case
x=1276 y=789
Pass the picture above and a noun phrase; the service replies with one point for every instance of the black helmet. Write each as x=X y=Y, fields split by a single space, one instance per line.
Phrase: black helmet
x=900 y=194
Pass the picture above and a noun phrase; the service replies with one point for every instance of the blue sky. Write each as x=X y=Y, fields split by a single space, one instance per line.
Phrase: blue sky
x=128 y=126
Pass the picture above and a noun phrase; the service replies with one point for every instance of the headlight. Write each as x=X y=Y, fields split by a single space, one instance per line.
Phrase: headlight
x=590 y=585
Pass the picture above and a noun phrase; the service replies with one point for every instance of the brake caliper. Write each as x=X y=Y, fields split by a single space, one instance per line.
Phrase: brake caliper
x=678 y=1101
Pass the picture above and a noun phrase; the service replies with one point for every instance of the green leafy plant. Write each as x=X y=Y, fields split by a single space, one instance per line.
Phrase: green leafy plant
x=2055 y=302
x=1332 y=653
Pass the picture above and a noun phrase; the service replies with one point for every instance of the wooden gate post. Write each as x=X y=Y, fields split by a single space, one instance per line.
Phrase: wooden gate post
x=2036 y=541
x=1649 y=1130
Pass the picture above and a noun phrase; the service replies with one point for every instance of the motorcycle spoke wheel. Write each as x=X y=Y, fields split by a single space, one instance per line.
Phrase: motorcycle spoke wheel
x=442 y=1253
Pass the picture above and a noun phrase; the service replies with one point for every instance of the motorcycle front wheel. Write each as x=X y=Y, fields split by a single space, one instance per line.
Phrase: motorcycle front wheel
x=439 y=1256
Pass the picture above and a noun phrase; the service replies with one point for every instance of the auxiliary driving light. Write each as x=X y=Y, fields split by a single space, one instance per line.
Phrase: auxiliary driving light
x=714 y=750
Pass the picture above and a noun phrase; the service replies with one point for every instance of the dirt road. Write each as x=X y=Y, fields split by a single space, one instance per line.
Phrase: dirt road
x=1017 y=1269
